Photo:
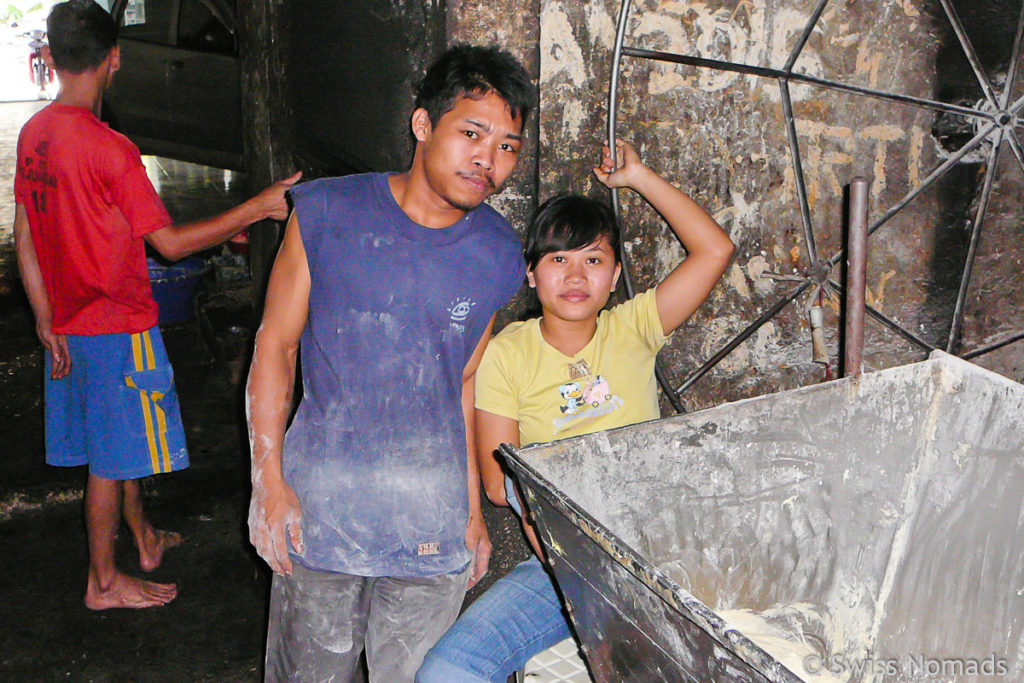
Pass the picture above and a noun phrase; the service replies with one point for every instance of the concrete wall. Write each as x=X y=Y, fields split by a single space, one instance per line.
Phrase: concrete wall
x=515 y=26
x=722 y=137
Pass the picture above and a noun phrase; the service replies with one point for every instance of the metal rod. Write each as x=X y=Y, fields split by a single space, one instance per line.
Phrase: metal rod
x=798 y=48
x=972 y=56
x=1017 y=105
x=965 y=280
x=613 y=117
x=888 y=322
x=613 y=111
x=769 y=72
x=856 y=277
x=898 y=329
x=798 y=172
x=613 y=90
x=1014 y=142
x=1015 y=56
x=980 y=351
x=616 y=58
x=742 y=336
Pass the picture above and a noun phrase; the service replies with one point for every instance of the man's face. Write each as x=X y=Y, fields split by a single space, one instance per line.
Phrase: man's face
x=471 y=151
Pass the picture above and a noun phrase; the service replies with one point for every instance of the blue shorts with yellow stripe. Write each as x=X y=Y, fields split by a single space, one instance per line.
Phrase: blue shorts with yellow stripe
x=117 y=410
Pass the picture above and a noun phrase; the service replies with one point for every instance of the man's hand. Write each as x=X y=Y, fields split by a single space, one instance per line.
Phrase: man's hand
x=274 y=511
x=271 y=200
x=479 y=543
x=57 y=346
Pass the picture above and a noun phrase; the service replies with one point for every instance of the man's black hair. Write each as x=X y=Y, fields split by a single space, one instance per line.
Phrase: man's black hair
x=568 y=222
x=471 y=71
x=80 y=34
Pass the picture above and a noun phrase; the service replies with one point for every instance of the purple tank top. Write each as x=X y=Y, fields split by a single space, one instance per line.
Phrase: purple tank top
x=377 y=450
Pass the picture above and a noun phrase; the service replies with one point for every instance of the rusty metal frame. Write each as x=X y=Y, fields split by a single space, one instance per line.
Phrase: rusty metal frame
x=995 y=120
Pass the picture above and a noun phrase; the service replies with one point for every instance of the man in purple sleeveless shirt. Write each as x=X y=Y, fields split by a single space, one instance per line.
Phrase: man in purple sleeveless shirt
x=368 y=509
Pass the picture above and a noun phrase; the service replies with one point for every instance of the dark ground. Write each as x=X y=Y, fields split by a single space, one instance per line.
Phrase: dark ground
x=214 y=630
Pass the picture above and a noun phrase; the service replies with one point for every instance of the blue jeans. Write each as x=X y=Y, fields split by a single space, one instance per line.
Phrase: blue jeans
x=517 y=617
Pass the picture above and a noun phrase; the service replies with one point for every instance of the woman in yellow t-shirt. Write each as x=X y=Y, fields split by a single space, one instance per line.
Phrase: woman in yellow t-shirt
x=576 y=369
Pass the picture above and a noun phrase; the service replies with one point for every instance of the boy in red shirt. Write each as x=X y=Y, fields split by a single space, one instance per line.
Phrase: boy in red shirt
x=84 y=209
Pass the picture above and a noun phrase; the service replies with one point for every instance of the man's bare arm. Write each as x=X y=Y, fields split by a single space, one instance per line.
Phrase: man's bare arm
x=35 y=288
x=477 y=539
x=178 y=241
x=274 y=512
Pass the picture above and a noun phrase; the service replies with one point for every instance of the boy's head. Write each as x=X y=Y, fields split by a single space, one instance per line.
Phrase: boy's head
x=568 y=223
x=474 y=72
x=80 y=34
x=468 y=126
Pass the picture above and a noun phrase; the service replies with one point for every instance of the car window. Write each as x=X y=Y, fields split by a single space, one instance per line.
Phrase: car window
x=201 y=26
x=148 y=20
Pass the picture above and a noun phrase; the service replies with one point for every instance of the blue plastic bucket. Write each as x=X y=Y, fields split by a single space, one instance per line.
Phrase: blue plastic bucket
x=174 y=288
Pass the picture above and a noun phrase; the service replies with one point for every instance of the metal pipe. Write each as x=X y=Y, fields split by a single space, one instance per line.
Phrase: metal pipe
x=613 y=110
x=613 y=122
x=856 y=277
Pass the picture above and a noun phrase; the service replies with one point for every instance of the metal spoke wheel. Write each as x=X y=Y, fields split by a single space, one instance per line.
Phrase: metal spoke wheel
x=991 y=124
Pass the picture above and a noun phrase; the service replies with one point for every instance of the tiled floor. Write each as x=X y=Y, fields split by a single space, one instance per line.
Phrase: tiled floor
x=560 y=663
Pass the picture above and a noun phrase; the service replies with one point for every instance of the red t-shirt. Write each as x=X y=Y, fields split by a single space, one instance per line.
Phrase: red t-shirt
x=89 y=203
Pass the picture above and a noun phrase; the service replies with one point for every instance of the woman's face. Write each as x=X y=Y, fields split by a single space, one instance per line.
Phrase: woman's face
x=575 y=285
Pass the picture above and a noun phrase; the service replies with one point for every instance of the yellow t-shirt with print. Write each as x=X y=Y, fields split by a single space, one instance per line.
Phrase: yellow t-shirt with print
x=609 y=383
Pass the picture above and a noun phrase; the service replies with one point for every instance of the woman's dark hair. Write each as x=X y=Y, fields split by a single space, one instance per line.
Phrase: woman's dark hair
x=80 y=34
x=568 y=222
x=471 y=71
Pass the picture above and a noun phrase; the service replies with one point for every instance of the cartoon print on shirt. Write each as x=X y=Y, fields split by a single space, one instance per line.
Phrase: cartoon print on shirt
x=572 y=394
x=584 y=397
x=575 y=395
x=597 y=392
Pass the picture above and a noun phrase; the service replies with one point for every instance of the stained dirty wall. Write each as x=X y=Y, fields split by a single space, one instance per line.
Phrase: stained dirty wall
x=513 y=25
x=722 y=138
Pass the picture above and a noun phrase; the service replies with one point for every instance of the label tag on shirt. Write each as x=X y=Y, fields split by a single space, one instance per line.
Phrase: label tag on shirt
x=428 y=548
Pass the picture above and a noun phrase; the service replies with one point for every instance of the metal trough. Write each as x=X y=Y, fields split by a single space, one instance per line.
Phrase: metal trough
x=879 y=521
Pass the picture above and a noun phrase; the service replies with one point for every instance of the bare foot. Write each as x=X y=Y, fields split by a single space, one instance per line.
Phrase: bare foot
x=154 y=543
x=128 y=591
